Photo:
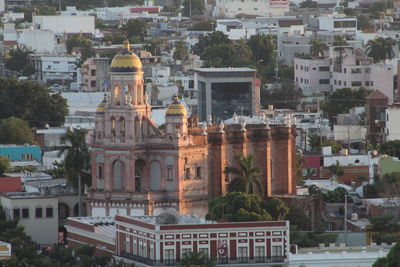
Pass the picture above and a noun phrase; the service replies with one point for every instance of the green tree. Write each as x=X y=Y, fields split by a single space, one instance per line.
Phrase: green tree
x=363 y=22
x=77 y=160
x=392 y=259
x=310 y=172
x=85 y=46
x=342 y=100
x=15 y=131
x=153 y=46
x=212 y=39
x=276 y=208
x=28 y=70
x=18 y=59
x=339 y=40
x=336 y=196
x=114 y=38
x=317 y=47
x=32 y=102
x=181 y=51
x=309 y=4
x=193 y=259
x=193 y=7
x=246 y=176
x=236 y=54
x=380 y=49
x=391 y=148
x=5 y=165
x=298 y=217
x=237 y=207
x=336 y=170
x=263 y=48
x=136 y=30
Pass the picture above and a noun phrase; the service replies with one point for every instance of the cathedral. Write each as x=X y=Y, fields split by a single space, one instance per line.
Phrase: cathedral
x=140 y=169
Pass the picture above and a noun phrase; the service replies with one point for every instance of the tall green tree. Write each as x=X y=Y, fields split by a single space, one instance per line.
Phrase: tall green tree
x=136 y=30
x=181 y=51
x=18 y=59
x=380 y=49
x=263 y=48
x=392 y=259
x=77 y=160
x=236 y=54
x=276 y=208
x=317 y=47
x=83 y=44
x=391 y=148
x=15 y=131
x=32 y=102
x=246 y=177
x=5 y=165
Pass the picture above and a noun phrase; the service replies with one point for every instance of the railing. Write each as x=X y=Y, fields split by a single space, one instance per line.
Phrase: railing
x=239 y=260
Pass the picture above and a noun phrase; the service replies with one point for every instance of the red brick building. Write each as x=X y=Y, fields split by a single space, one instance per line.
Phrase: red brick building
x=163 y=240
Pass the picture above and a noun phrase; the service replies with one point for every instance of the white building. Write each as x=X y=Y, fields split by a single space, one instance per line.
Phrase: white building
x=235 y=29
x=338 y=23
x=40 y=41
x=58 y=70
x=65 y=24
x=392 y=129
x=269 y=8
x=38 y=214
x=312 y=75
x=5 y=248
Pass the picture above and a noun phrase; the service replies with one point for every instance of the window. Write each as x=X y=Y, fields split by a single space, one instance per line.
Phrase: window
x=100 y=172
x=128 y=245
x=169 y=255
x=324 y=68
x=259 y=253
x=334 y=82
x=134 y=247
x=344 y=70
x=170 y=173
x=16 y=213
x=340 y=82
x=301 y=67
x=301 y=80
x=242 y=254
x=356 y=83
x=198 y=172
x=367 y=70
x=204 y=251
x=38 y=212
x=324 y=81
x=276 y=251
x=25 y=213
x=357 y=70
x=366 y=83
x=49 y=212
x=297 y=67
x=344 y=83
x=92 y=83
x=93 y=72
x=186 y=251
x=187 y=173
x=372 y=83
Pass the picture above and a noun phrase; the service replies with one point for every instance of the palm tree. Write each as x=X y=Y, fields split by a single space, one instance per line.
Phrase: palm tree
x=77 y=159
x=247 y=176
x=310 y=172
x=317 y=47
x=380 y=49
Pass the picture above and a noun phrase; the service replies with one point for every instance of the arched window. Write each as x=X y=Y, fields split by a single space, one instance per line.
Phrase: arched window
x=113 y=129
x=139 y=168
x=137 y=127
x=63 y=211
x=118 y=171
x=122 y=130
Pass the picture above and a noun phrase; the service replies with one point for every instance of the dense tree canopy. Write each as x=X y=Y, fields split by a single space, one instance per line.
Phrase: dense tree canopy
x=391 y=148
x=15 y=131
x=18 y=60
x=392 y=259
x=114 y=38
x=32 y=102
x=83 y=44
x=207 y=25
x=387 y=186
x=193 y=259
x=263 y=48
x=5 y=165
x=341 y=100
x=216 y=38
x=380 y=49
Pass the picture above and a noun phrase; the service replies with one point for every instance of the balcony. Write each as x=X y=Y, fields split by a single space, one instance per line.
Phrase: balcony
x=228 y=262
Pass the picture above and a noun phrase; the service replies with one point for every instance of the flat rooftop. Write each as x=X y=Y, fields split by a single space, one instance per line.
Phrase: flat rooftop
x=46 y=183
x=25 y=195
x=215 y=70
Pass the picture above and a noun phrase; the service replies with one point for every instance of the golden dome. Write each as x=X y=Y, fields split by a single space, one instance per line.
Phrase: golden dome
x=126 y=61
x=100 y=107
x=176 y=108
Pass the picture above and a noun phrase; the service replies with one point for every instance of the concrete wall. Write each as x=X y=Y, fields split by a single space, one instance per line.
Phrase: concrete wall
x=15 y=153
x=66 y=24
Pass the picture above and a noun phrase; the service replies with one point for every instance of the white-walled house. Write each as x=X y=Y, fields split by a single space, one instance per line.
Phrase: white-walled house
x=232 y=8
x=65 y=24
x=392 y=128
x=312 y=75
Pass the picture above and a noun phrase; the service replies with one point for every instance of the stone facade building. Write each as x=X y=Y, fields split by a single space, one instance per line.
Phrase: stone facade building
x=139 y=169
